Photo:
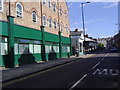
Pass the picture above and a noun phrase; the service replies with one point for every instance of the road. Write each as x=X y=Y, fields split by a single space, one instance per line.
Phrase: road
x=99 y=71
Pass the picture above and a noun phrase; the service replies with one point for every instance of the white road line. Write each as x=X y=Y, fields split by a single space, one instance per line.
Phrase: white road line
x=106 y=55
x=102 y=59
x=96 y=65
x=99 y=62
x=78 y=82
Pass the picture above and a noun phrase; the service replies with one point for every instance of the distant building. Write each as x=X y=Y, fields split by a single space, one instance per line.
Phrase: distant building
x=90 y=44
x=77 y=41
x=105 y=42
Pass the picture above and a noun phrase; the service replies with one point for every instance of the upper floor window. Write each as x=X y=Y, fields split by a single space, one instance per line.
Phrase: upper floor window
x=61 y=27
x=66 y=28
x=60 y=11
x=44 y=2
x=34 y=16
x=50 y=22
x=54 y=7
x=44 y=20
x=19 y=10
x=55 y=24
x=1 y=5
x=49 y=4
x=65 y=14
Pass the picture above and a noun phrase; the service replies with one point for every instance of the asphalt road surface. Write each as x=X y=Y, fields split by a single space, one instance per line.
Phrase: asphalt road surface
x=99 y=71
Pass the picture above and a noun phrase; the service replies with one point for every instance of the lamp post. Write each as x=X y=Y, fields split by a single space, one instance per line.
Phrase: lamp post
x=83 y=24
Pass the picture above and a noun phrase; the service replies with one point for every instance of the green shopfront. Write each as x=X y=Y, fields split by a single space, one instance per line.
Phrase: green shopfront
x=29 y=45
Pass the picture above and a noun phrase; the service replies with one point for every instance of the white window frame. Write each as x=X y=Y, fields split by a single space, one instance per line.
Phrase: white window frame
x=66 y=14
x=2 y=6
x=44 y=2
x=55 y=25
x=54 y=7
x=33 y=19
x=66 y=28
x=37 y=48
x=49 y=4
x=61 y=27
x=21 y=10
x=44 y=21
x=50 y=22
x=60 y=11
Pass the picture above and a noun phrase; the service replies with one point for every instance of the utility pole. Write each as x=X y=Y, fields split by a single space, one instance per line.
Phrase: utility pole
x=83 y=24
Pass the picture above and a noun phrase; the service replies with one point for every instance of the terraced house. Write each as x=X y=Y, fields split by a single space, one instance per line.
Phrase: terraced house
x=33 y=31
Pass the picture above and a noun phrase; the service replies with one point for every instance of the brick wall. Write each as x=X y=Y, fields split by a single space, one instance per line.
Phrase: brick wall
x=26 y=20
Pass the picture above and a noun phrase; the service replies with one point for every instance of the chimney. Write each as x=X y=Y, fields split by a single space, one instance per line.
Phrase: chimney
x=86 y=35
x=76 y=30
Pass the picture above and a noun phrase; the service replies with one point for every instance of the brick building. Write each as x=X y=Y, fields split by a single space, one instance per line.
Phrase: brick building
x=38 y=29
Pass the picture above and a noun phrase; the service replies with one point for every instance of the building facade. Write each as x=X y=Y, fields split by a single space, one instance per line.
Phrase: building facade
x=103 y=41
x=117 y=41
x=77 y=41
x=79 y=44
x=39 y=30
x=90 y=44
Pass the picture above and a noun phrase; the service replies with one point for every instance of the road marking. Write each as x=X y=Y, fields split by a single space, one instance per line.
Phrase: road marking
x=96 y=65
x=106 y=55
x=99 y=62
x=78 y=82
x=102 y=59
x=33 y=75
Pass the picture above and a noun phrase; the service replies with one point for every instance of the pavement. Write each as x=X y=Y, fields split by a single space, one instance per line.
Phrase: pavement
x=17 y=72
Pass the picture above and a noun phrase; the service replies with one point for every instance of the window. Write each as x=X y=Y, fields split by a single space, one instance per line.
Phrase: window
x=1 y=5
x=19 y=10
x=50 y=22
x=55 y=24
x=65 y=14
x=4 y=48
x=23 y=49
x=47 y=49
x=65 y=49
x=3 y=45
x=44 y=20
x=37 y=48
x=30 y=48
x=54 y=7
x=44 y=2
x=34 y=16
x=16 y=48
x=56 y=49
x=60 y=11
x=66 y=28
x=61 y=27
x=49 y=4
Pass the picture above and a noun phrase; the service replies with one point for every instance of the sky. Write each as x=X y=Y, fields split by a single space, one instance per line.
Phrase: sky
x=100 y=18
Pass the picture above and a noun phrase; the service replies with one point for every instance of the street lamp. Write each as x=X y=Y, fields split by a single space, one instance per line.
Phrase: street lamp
x=83 y=24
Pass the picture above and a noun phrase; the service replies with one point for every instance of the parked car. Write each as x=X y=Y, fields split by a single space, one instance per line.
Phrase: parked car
x=113 y=49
